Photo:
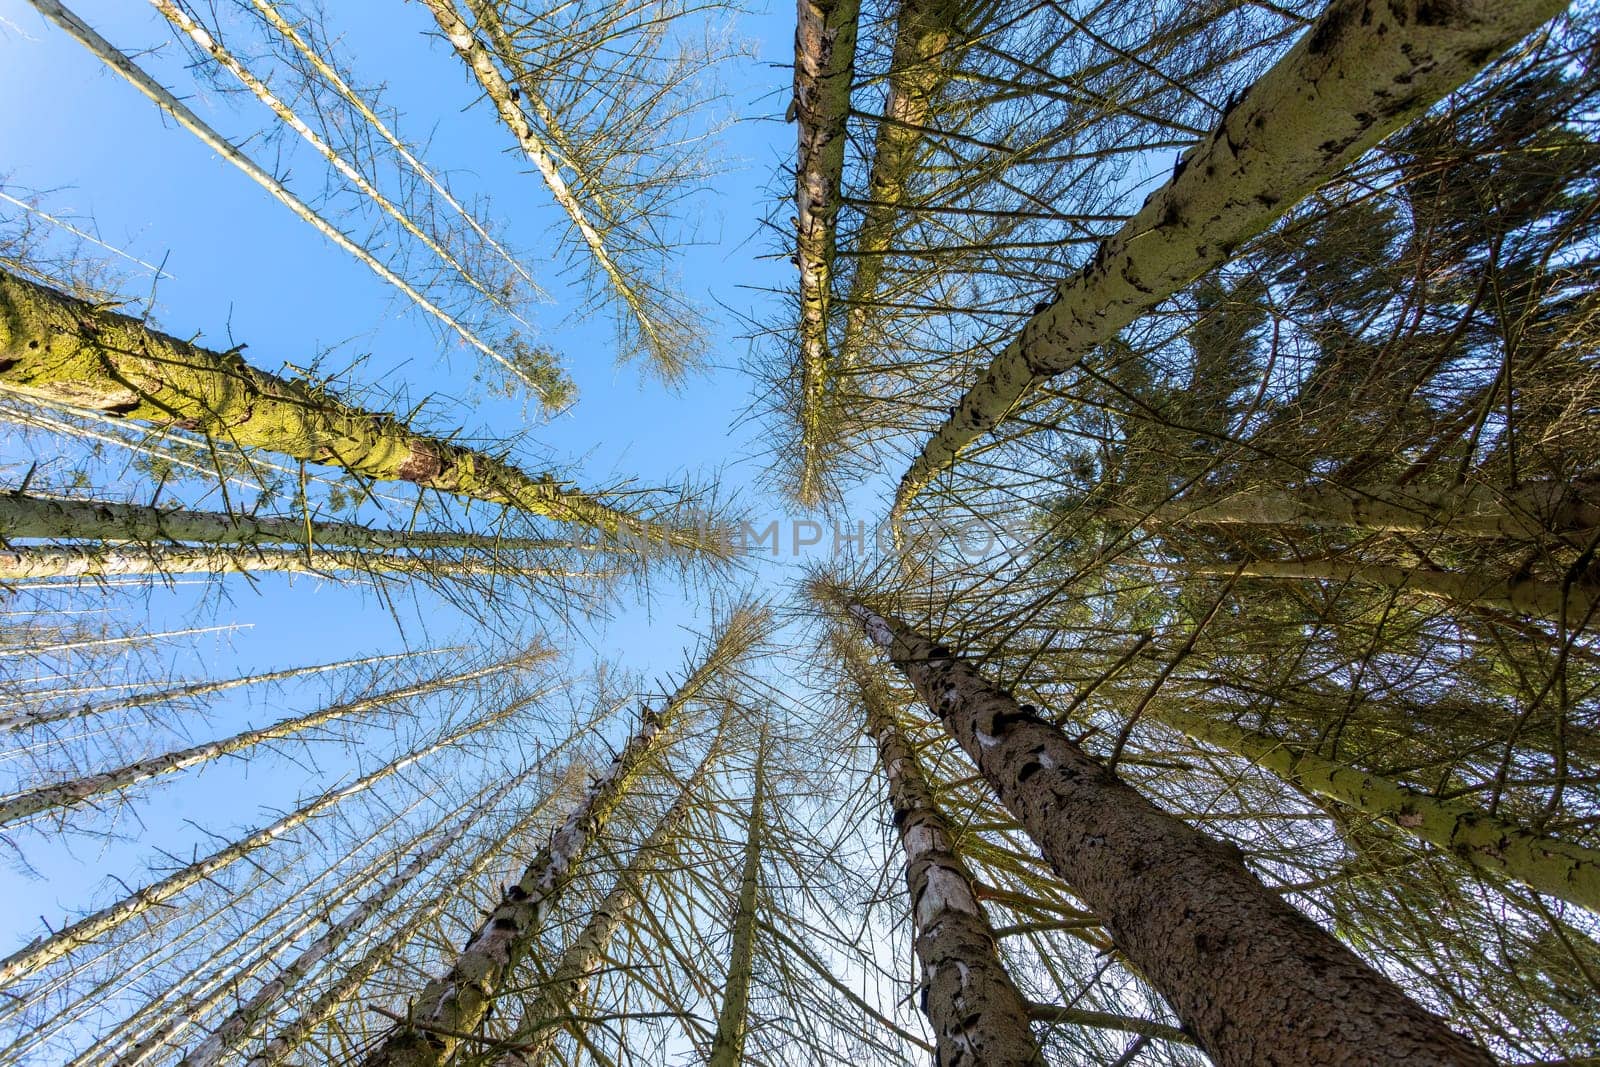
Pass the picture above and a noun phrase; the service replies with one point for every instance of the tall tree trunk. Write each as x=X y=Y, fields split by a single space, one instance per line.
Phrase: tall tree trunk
x=45 y=716
x=824 y=68
x=457 y=1002
x=1516 y=593
x=208 y=43
x=124 y=65
x=918 y=71
x=91 y=928
x=1362 y=71
x=237 y=1027
x=1531 y=511
x=567 y=982
x=31 y=562
x=350 y=980
x=727 y=1044
x=79 y=791
x=62 y=349
x=108 y=520
x=1254 y=980
x=480 y=60
x=979 y=1018
x=1465 y=831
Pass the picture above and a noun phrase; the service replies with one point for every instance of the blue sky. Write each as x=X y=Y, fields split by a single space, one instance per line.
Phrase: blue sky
x=241 y=268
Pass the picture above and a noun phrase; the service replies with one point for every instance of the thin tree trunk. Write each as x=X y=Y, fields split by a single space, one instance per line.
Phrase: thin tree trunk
x=918 y=72
x=1519 y=594
x=727 y=1044
x=268 y=11
x=1531 y=511
x=121 y=63
x=457 y=1002
x=1254 y=980
x=203 y=40
x=979 y=1018
x=291 y=1037
x=1469 y=833
x=237 y=1027
x=143 y=1034
x=93 y=927
x=1361 y=72
x=61 y=349
x=481 y=62
x=33 y=562
x=824 y=68
x=107 y=520
x=27 y=719
x=567 y=982
x=79 y=791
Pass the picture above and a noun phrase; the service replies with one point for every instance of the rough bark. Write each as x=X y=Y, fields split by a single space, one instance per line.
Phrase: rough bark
x=128 y=69
x=1364 y=69
x=1531 y=511
x=824 y=67
x=1468 y=832
x=581 y=960
x=1516 y=593
x=93 y=927
x=978 y=1016
x=727 y=1044
x=106 y=520
x=79 y=791
x=1255 y=981
x=57 y=348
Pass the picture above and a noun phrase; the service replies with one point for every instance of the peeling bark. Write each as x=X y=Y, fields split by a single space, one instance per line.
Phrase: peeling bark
x=1364 y=69
x=1255 y=981
x=1465 y=831
x=59 y=349
x=824 y=67
x=979 y=1019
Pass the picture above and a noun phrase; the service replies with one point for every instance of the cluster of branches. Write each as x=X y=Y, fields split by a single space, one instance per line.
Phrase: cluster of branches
x=1305 y=450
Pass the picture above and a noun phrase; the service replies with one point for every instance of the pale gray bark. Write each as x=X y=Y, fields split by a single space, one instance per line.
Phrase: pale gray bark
x=979 y=1018
x=727 y=1044
x=1362 y=71
x=1254 y=980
